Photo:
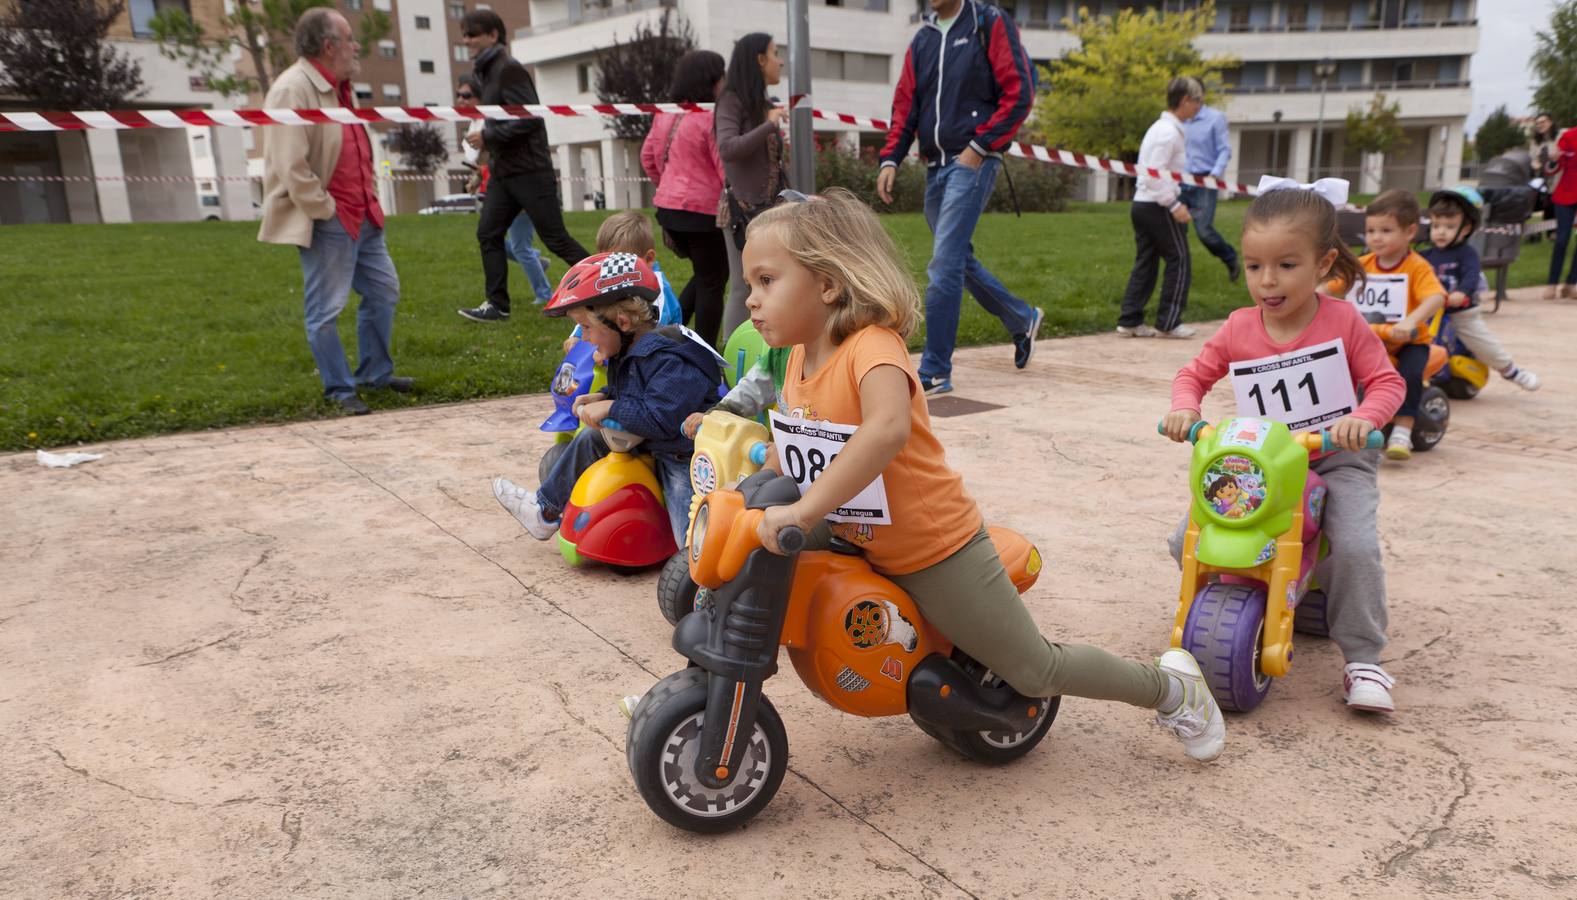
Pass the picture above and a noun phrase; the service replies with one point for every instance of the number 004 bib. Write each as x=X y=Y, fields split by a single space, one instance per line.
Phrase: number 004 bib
x=1384 y=294
x=1303 y=389
x=806 y=449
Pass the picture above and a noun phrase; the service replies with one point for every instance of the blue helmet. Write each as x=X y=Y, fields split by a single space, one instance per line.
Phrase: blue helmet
x=1465 y=198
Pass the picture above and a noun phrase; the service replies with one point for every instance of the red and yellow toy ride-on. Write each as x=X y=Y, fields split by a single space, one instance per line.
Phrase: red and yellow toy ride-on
x=615 y=513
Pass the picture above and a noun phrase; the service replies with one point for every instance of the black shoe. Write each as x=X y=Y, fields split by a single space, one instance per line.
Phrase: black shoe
x=399 y=384
x=1024 y=344
x=1235 y=271
x=487 y=312
x=352 y=406
x=934 y=386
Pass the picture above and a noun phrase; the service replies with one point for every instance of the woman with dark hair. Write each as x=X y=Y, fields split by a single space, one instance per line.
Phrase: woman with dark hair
x=680 y=157
x=750 y=142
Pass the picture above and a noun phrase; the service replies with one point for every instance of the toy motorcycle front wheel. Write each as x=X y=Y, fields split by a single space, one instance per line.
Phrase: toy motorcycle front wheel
x=1224 y=630
x=661 y=746
x=993 y=747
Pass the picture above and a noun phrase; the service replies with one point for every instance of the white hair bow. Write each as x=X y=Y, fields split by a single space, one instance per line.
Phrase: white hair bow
x=1332 y=189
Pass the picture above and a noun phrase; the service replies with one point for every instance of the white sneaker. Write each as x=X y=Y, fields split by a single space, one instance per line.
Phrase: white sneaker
x=1366 y=686
x=1181 y=331
x=1140 y=330
x=1525 y=380
x=1197 y=721
x=1399 y=447
x=627 y=704
x=522 y=504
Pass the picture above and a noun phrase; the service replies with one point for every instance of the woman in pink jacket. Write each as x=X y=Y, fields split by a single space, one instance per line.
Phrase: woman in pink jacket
x=680 y=156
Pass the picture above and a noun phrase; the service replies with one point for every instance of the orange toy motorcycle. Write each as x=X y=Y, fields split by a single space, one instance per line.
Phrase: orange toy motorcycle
x=706 y=747
x=1434 y=407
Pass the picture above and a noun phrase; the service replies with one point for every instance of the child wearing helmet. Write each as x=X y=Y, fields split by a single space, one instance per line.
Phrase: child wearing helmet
x=1454 y=215
x=656 y=377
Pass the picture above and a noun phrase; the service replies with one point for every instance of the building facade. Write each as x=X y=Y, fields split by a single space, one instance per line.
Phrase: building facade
x=1292 y=56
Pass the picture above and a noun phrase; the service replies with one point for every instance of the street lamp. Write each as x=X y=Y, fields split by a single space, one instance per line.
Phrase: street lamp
x=1323 y=70
x=1275 y=142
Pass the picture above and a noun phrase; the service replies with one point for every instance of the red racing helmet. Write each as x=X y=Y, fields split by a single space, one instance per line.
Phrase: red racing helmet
x=604 y=278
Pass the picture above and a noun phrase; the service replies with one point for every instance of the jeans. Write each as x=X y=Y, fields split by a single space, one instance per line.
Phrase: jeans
x=1565 y=214
x=1201 y=203
x=673 y=473
x=1411 y=361
x=537 y=194
x=955 y=196
x=335 y=264
x=518 y=243
x=1157 y=234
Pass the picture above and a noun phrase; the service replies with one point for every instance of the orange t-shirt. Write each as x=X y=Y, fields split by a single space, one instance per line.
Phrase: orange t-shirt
x=931 y=513
x=1421 y=285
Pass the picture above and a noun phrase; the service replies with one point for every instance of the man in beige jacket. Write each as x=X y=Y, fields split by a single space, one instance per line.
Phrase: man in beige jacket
x=319 y=193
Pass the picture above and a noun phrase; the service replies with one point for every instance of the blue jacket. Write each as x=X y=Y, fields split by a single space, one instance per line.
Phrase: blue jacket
x=973 y=90
x=656 y=384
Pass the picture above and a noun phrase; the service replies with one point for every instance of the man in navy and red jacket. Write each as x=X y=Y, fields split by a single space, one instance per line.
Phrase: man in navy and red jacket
x=967 y=86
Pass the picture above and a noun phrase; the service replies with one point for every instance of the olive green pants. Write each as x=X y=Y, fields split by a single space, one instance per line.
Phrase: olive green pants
x=970 y=598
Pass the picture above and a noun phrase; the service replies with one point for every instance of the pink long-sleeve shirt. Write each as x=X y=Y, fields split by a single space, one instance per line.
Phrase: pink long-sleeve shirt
x=1243 y=338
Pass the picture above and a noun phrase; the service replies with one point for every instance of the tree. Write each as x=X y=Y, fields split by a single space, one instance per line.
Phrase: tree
x=1497 y=135
x=53 y=52
x=1554 y=64
x=640 y=69
x=421 y=147
x=261 y=29
x=1102 y=96
x=1375 y=130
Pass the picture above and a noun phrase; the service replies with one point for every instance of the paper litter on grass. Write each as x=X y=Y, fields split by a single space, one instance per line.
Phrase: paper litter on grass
x=65 y=460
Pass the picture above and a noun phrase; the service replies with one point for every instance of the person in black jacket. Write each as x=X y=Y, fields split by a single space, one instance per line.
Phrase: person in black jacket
x=522 y=168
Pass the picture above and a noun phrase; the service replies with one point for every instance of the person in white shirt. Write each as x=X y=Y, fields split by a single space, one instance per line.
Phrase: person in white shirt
x=1160 y=221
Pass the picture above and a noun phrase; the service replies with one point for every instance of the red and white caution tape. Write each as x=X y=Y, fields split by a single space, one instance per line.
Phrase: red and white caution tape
x=181 y=118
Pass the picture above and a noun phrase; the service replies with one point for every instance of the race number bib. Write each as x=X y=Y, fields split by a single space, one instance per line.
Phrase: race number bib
x=806 y=449
x=1303 y=389
x=1383 y=294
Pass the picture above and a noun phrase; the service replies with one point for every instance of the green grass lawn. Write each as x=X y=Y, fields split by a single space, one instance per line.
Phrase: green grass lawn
x=113 y=331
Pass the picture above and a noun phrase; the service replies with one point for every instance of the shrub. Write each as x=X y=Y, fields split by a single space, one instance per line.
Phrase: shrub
x=1040 y=187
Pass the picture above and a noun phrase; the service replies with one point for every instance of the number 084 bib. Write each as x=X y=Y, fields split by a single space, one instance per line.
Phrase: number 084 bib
x=1302 y=389
x=806 y=449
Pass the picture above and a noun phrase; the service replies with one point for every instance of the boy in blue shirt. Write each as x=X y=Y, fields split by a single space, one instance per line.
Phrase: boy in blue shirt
x=1453 y=215
x=657 y=376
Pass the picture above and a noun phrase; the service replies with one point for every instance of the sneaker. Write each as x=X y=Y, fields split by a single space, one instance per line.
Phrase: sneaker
x=1366 y=686
x=1140 y=330
x=934 y=386
x=1568 y=291
x=1399 y=448
x=1178 y=333
x=1197 y=721
x=1549 y=292
x=1524 y=379
x=522 y=504
x=352 y=405
x=487 y=312
x=1024 y=344
x=627 y=705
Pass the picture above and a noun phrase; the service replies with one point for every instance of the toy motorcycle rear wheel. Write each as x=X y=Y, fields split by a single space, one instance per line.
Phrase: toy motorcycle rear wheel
x=675 y=590
x=1310 y=616
x=1460 y=389
x=994 y=747
x=545 y=465
x=1434 y=415
x=1225 y=626
x=661 y=746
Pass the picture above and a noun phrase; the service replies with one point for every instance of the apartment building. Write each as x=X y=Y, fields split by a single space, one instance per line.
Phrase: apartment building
x=1291 y=54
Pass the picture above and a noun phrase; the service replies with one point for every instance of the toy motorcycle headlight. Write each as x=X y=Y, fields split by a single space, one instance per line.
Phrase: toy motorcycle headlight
x=1233 y=488
x=698 y=531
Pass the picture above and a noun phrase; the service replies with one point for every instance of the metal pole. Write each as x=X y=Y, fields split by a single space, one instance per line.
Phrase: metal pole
x=1319 y=136
x=802 y=163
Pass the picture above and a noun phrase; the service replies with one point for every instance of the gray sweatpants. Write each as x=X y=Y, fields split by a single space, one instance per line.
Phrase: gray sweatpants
x=1352 y=576
x=1473 y=332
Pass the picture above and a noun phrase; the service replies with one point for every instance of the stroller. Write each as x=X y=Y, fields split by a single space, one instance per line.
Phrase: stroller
x=1509 y=200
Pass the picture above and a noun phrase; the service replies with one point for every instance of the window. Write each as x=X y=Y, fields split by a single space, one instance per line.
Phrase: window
x=143 y=11
x=391 y=92
x=583 y=78
x=424 y=23
x=456 y=10
x=847 y=65
x=461 y=54
x=363 y=90
x=1297 y=16
x=1238 y=18
x=426 y=66
x=384 y=5
x=388 y=49
x=353 y=5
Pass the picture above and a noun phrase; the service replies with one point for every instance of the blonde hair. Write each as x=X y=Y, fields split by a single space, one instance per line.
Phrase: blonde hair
x=639 y=310
x=839 y=238
x=626 y=232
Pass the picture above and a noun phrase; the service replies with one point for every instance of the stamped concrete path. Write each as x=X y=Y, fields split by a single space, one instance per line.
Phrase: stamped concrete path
x=319 y=661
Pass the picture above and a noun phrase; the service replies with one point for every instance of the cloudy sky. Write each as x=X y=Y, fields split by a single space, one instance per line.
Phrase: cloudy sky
x=1500 y=68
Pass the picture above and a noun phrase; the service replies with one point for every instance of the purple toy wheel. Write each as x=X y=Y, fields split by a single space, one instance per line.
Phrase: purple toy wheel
x=1223 y=632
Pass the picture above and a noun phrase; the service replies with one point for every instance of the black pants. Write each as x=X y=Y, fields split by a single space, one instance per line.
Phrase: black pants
x=537 y=194
x=703 y=295
x=1156 y=233
x=1411 y=360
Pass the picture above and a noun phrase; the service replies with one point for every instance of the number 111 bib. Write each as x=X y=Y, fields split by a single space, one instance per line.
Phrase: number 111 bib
x=1302 y=389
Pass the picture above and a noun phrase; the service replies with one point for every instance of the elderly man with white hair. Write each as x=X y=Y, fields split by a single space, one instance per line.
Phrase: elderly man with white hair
x=320 y=194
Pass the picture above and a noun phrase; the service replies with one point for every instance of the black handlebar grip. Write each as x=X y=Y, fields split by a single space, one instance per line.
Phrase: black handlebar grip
x=791 y=539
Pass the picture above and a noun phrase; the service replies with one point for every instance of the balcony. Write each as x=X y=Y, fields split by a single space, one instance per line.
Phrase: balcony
x=1287 y=27
x=1366 y=87
x=591 y=13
